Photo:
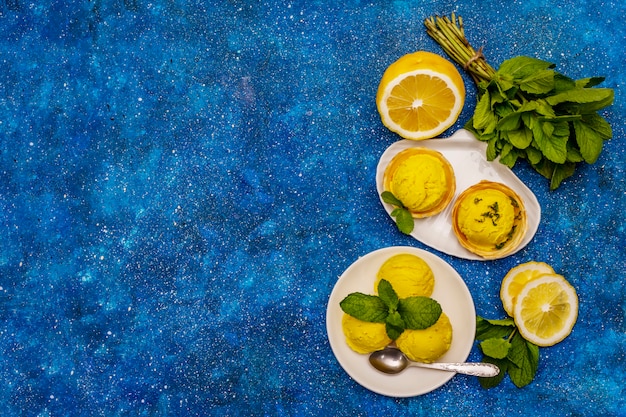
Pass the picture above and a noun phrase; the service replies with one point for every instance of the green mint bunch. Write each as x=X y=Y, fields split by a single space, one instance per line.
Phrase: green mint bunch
x=526 y=110
x=502 y=345
x=404 y=220
x=529 y=111
x=398 y=314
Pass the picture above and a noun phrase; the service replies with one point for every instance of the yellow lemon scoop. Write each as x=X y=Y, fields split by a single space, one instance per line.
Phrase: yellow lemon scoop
x=422 y=179
x=489 y=219
x=362 y=336
x=408 y=274
x=429 y=344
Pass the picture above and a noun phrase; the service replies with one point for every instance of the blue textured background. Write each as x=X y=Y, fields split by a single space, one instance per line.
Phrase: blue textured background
x=182 y=183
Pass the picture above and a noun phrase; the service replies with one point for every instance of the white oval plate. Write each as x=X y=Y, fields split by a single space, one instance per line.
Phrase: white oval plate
x=450 y=291
x=467 y=157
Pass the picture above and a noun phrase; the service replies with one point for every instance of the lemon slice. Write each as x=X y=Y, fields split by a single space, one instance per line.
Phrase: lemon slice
x=420 y=95
x=546 y=310
x=516 y=278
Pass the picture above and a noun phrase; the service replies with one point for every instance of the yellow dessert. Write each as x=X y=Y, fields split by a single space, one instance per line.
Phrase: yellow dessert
x=489 y=219
x=429 y=344
x=422 y=179
x=408 y=274
x=364 y=337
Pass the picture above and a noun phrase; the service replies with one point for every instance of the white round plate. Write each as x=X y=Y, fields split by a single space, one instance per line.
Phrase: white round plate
x=450 y=291
x=467 y=157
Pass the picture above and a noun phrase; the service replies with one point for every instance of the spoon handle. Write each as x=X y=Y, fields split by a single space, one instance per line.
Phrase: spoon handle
x=467 y=368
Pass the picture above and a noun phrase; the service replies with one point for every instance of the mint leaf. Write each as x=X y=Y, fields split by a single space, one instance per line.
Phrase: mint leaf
x=598 y=124
x=365 y=307
x=419 y=312
x=388 y=295
x=588 y=140
x=488 y=329
x=561 y=172
x=525 y=356
x=484 y=118
x=510 y=122
x=508 y=322
x=517 y=353
x=492 y=149
x=541 y=82
x=520 y=138
x=521 y=67
x=599 y=97
x=551 y=139
x=389 y=198
x=589 y=82
x=394 y=325
x=496 y=348
x=508 y=155
x=491 y=382
x=404 y=220
x=573 y=154
x=533 y=155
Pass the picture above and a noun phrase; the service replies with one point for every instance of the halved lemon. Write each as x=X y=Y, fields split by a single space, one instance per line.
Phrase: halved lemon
x=546 y=310
x=516 y=278
x=420 y=95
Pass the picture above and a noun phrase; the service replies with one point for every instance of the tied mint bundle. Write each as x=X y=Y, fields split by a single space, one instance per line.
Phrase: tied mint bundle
x=527 y=110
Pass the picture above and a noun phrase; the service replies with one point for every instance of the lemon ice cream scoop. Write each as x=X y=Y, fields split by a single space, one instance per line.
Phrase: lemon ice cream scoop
x=422 y=179
x=408 y=274
x=429 y=344
x=489 y=219
x=362 y=336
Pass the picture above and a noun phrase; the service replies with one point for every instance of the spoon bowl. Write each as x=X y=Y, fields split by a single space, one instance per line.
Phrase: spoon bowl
x=391 y=360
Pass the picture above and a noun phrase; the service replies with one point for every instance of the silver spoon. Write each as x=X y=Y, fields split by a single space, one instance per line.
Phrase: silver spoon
x=391 y=360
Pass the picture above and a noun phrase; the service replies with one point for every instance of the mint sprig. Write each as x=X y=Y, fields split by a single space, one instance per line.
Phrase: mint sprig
x=502 y=345
x=414 y=313
x=403 y=217
x=526 y=110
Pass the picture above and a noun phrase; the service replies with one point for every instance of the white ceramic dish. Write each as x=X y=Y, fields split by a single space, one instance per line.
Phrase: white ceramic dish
x=450 y=291
x=467 y=157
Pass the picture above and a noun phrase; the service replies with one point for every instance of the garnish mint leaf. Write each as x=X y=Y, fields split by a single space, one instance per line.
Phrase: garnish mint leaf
x=491 y=382
x=488 y=329
x=517 y=353
x=501 y=322
x=394 y=325
x=365 y=307
x=388 y=295
x=389 y=198
x=496 y=348
x=526 y=361
x=419 y=313
x=404 y=220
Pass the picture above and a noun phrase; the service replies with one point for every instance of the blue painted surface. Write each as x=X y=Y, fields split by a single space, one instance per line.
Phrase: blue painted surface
x=182 y=183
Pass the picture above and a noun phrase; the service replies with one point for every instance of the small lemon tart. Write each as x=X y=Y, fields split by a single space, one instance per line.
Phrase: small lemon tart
x=489 y=219
x=422 y=179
